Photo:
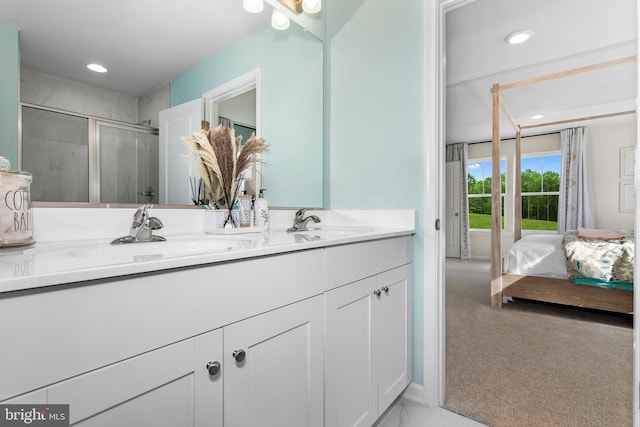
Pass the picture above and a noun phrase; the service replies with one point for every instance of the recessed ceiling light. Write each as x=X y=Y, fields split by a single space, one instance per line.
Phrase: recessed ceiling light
x=536 y=116
x=518 y=37
x=97 y=68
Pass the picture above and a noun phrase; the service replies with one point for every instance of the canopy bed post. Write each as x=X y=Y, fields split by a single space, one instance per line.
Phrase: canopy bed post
x=496 y=204
x=517 y=220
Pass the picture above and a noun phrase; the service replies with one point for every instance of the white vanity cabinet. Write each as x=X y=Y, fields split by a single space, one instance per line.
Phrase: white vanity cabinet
x=312 y=337
x=367 y=353
x=142 y=350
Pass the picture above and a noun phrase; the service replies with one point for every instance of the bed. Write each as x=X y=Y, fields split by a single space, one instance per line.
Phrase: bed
x=530 y=282
x=572 y=269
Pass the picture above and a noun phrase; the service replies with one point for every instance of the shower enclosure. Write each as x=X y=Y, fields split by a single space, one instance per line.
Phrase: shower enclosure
x=87 y=160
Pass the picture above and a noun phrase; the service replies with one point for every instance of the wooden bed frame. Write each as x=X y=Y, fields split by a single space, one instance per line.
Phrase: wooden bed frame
x=558 y=291
x=565 y=292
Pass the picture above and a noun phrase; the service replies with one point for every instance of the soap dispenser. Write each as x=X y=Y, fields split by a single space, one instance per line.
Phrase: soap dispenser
x=261 y=210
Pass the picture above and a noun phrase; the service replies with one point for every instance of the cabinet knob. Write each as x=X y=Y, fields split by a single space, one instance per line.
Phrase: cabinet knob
x=239 y=355
x=385 y=289
x=213 y=368
x=377 y=292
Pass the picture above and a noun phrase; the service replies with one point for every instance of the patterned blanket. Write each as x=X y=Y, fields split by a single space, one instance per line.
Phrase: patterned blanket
x=602 y=260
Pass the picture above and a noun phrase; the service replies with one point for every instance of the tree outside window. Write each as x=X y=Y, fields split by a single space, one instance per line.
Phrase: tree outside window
x=540 y=189
x=479 y=188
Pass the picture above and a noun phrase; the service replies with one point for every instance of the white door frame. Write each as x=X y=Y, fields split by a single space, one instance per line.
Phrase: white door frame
x=433 y=252
x=636 y=274
x=434 y=349
x=234 y=87
x=237 y=86
x=434 y=289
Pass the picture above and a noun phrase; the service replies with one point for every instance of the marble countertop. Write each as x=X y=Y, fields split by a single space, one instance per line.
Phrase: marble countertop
x=53 y=263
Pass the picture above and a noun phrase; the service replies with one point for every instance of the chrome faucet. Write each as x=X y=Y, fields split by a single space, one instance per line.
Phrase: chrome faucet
x=142 y=227
x=300 y=222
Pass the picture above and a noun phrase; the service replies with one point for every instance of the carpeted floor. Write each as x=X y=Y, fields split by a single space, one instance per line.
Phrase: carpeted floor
x=533 y=364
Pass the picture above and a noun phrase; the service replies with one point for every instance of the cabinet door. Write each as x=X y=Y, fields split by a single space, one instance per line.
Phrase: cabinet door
x=166 y=387
x=393 y=354
x=273 y=368
x=351 y=389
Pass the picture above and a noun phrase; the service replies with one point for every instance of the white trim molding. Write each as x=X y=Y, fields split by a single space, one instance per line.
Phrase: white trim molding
x=433 y=256
x=434 y=350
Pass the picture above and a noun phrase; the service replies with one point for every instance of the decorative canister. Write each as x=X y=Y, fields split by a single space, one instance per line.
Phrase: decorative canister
x=16 y=221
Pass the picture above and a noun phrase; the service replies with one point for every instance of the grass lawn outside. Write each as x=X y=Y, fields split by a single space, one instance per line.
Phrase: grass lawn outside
x=484 y=222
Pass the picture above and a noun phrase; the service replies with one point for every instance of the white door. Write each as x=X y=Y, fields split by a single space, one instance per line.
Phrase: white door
x=452 y=211
x=273 y=362
x=175 y=167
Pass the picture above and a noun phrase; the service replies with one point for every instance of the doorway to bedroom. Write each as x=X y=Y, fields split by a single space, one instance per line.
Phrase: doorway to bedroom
x=473 y=67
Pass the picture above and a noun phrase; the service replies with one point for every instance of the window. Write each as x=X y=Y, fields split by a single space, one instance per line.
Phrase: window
x=540 y=189
x=479 y=188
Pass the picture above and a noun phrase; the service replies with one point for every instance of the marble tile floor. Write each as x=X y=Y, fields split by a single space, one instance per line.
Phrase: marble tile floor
x=408 y=413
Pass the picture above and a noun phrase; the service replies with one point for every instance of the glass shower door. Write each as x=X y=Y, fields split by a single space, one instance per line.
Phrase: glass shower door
x=56 y=151
x=128 y=162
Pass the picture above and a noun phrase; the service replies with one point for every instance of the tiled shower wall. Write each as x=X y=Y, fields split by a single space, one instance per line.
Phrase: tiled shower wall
x=43 y=89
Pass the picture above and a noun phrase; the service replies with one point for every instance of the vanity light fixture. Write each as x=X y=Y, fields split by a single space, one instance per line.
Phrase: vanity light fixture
x=518 y=37
x=253 y=6
x=279 y=20
x=97 y=68
x=536 y=116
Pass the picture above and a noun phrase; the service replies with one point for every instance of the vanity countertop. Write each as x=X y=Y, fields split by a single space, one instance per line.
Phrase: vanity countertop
x=60 y=262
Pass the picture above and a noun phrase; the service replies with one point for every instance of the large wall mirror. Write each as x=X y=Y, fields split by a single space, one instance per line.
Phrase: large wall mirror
x=122 y=129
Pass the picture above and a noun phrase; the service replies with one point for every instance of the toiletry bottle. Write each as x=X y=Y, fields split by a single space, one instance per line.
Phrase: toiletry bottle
x=244 y=201
x=261 y=210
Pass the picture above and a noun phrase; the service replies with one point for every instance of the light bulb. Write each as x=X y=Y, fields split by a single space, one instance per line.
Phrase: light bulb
x=279 y=20
x=311 y=6
x=253 y=6
x=97 y=68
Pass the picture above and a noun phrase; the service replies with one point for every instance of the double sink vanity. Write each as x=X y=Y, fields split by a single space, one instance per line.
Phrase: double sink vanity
x=310 y=328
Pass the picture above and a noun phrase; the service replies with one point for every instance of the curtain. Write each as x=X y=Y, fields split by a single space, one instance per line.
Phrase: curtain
x=459 y=153
x=575 y=207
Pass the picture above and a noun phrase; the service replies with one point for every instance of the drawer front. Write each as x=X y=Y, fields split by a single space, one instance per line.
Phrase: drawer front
x=348 y=263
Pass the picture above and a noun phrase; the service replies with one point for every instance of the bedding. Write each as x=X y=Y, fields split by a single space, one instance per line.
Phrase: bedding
x=537 y=255
x=597 y=261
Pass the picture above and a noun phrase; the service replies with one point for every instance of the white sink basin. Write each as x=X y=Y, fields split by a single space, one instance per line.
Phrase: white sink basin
x=53 y=257
x=101 y=253
x=171 y=248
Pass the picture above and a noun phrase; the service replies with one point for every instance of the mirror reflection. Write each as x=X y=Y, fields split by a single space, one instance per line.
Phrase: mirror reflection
x=86 y=144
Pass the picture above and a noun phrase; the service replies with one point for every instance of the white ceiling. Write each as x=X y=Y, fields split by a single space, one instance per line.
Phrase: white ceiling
x=567 y=34
x=143 y=43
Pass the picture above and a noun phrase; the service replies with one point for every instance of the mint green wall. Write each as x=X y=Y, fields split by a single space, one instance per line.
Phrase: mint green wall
x=375 y=147
x=9 y=88
x=292 y=91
